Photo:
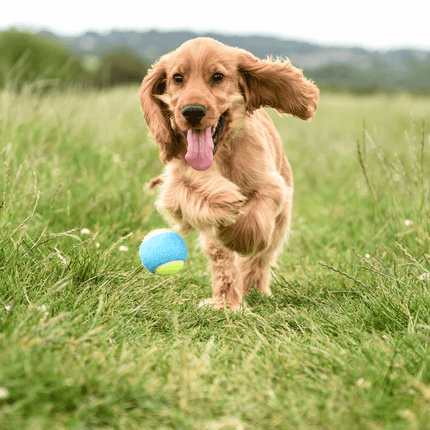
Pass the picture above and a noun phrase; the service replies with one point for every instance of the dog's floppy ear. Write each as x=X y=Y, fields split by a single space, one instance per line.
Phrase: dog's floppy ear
x=276 y=84
x=157 y=114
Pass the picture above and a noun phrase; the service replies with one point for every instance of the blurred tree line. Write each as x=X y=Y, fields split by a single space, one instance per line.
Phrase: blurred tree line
x=27 y=58
x=31 y=58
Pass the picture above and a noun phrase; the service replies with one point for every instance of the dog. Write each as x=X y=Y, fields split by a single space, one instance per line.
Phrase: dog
x=226 y=173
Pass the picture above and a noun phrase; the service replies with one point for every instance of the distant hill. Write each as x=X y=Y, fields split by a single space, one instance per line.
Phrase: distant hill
x=358 y=69
x=41 y=63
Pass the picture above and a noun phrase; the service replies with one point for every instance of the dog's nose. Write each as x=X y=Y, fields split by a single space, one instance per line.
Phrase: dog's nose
x=194 y=113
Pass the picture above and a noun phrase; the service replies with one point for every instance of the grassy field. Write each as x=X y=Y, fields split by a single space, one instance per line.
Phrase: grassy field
x=88 y=340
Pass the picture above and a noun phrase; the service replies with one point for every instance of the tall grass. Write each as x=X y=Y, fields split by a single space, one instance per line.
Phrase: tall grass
x=88 y=339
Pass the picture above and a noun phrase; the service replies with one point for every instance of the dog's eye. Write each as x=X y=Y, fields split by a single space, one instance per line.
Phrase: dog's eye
x=178 y=78
x=217 y=77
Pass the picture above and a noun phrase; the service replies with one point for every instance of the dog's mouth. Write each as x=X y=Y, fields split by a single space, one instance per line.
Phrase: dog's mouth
x=218 y=129
x=202 y=144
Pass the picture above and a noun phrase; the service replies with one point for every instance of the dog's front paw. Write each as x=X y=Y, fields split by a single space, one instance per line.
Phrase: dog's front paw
x=175 y=219
x=250 y=234
x=221 y=208
x=230 y=210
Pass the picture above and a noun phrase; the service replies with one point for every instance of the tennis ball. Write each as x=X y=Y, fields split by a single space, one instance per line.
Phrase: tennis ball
x=163 y=252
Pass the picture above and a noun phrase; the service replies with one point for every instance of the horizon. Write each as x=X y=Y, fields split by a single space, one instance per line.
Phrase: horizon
x=42 y=29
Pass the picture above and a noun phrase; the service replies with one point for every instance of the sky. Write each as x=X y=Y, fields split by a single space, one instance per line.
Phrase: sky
x=370 y=24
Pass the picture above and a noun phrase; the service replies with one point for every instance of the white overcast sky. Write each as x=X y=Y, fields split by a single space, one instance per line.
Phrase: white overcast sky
x=372 y=24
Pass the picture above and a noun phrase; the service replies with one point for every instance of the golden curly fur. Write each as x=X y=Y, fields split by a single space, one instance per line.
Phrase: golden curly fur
x=242 y=203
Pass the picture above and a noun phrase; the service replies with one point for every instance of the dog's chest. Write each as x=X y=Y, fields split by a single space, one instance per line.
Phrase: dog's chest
x=228 y=169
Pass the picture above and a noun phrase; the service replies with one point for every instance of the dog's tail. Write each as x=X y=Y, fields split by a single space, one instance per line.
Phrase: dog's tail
x=155 y=181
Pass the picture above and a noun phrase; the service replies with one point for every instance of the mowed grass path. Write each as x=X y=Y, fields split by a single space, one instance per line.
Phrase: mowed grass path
x=89 y=340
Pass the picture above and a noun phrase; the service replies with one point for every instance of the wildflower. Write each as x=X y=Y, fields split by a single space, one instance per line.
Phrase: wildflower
x=123 y=248
x=361 y=382
x=4 y=393
x=424 y=277
x=408 y=222
x=85 y=231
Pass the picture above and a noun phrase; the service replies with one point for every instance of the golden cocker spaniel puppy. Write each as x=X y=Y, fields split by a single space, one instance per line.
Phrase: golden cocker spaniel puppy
x=226 y=174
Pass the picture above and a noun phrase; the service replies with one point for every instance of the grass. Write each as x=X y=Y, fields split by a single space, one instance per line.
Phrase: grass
x=89 y=340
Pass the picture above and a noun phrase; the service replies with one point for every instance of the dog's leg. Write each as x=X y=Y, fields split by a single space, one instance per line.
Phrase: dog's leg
x=254 y=230
x=202 y=201
x=255 y=270
x=226 y=278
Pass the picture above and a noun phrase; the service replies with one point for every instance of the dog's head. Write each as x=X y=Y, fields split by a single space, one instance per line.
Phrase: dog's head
x=198 y=96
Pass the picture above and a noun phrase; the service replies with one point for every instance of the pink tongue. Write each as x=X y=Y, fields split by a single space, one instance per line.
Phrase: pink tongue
x=200 y=149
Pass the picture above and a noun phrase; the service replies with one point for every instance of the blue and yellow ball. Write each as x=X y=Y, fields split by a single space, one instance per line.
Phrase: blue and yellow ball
x=163 y=252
